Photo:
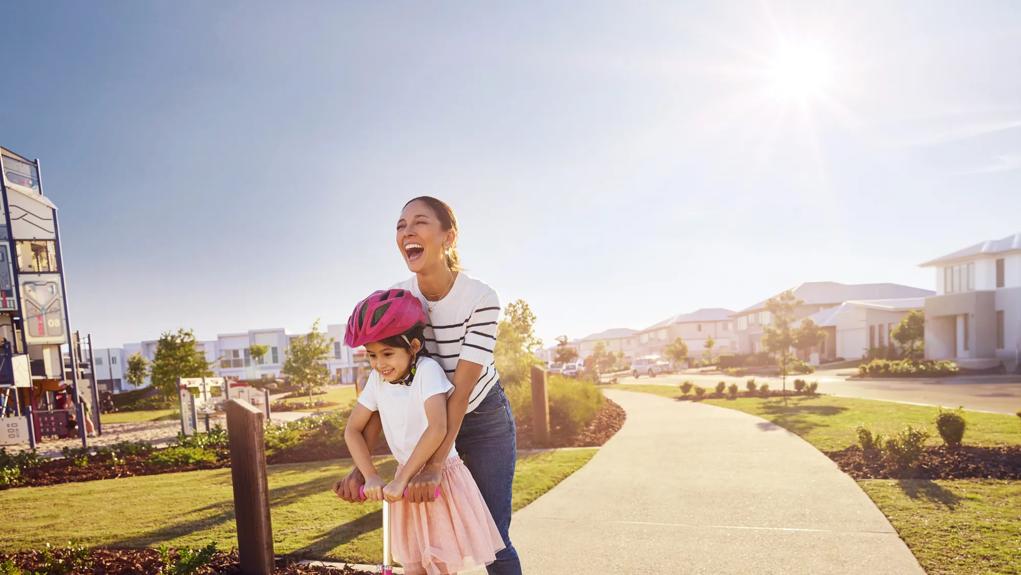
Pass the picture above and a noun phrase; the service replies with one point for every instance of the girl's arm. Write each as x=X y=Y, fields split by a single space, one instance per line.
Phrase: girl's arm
x=432 y=437
x=356 y=423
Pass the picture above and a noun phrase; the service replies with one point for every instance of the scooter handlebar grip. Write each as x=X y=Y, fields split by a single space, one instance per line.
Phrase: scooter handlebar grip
x=361 y=492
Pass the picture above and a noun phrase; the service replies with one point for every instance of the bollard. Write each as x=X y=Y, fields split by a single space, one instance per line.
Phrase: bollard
x=251 y=491
x=540 y=405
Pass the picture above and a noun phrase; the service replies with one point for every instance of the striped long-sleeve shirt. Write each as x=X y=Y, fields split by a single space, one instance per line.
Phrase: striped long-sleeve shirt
x=462 y=325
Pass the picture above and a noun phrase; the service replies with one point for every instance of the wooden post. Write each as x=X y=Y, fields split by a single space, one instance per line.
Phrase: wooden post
x=540 y=405
x=251 y=492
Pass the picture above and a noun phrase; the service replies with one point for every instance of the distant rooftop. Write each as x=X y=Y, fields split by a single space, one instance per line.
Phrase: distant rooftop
x=821 y=293
x=990 y=247
x=828 y=317
x=614 y=333
x=700 y=315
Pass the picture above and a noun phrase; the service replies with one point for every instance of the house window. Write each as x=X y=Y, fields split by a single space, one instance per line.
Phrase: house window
x=36 y=256
x=999 y=329
x=1000 y=272
x=113 y=360
x=99 y=361
x=248 y=357
x=970 y=272
x=882 y=336
x=966 y=338
x=274 y=354
x=232 y=359
x=872 y=336
x=699 y=326
x=21 y=173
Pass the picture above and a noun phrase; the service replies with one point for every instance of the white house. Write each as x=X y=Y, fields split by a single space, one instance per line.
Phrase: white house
x=109 y=369
x=815 y=297
x=615 y=340
x=975 y=316
x=854 y=327
x=695 y=329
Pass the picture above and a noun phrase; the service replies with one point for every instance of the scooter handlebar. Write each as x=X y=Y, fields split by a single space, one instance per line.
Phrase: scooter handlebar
x=361 y=492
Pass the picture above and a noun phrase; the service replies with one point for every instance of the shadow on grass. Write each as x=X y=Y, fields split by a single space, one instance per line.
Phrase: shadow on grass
x=215 y=514
x=341 y=534
x=795 y=417
x=929 y=491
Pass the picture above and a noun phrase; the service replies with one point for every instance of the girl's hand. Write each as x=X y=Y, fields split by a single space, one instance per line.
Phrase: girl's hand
x=422 y=488
x=394 y=491
x=374 y=488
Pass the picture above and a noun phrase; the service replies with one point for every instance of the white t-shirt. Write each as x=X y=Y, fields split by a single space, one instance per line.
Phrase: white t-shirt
x=402 y=407
x=462 y=325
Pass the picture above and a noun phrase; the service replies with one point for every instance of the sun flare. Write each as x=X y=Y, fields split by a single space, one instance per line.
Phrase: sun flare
x=800 y=73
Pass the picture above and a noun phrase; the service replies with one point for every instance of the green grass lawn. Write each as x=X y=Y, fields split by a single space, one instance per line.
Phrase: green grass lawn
x=190 y=509
x=340 y=395
x=140 y=416
x=959 y=527
x=829 y=422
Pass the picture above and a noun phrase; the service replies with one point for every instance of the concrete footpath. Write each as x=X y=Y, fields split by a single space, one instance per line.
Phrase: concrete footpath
x=690 y=488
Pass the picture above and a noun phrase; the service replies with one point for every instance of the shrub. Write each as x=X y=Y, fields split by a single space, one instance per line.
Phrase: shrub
x=188 y=560
x=175 y=456
x=573 y=404
x=9 y=476
x=908 y=368
x=720 y=387
x=870 y=443
x=813 y=387
x=732 y=391
x=951 y=425
x=78 y=456
x=799 y=385
x=906 y=448
x=214 y=439
x=764 y=389
x=797 y=366
x=699 y=392
x=686 y=387
x=126 y=448
x=750 y=385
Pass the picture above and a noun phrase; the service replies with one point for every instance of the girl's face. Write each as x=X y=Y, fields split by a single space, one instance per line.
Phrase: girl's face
x=392 y=363
x=421 y=238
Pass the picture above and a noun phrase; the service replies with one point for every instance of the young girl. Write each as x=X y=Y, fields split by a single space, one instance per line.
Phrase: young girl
x=455 y=532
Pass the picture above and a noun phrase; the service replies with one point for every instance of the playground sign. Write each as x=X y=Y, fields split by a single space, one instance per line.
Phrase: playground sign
x=13 y=430
x=258 y=398
x=199 y=395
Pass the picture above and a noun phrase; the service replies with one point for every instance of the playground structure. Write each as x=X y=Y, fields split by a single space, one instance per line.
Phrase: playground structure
x=203 y=397
x=40 y=394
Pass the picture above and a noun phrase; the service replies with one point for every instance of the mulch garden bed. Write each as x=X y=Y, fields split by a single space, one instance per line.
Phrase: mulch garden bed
x=56 y=471
x=964 y=462
x=607 y=422
x=112 y=561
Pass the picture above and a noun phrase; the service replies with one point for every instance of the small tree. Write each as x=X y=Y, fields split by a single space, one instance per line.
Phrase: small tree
x=564 y=352
x=138 y=369
x=778 y=337
x=910 y=334
x=516 y=343
x=601 y=360
x=258 y=351
x=809 y=335
x=177 y=355
x=306 y=360
x=708 y=353
x=676 y=351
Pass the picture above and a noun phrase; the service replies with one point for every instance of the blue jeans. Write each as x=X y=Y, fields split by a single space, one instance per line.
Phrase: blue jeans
x=487 y=442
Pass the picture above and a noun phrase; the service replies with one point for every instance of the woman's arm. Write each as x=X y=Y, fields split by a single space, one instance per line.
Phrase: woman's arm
x=356 y=423
x=436 y=414
x=422 y=488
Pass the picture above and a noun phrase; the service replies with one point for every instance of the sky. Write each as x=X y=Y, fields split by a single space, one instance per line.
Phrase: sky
x=225 y=166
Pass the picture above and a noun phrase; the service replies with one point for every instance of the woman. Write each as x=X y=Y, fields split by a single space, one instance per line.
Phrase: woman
x=463 y=314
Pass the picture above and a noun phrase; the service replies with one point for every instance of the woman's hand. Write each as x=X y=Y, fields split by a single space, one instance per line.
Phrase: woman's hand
x=374 y=488
x=422 y=487
x=394 y=491
x=348 y=487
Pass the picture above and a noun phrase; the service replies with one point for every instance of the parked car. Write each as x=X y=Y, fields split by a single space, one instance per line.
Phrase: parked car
x=650 y=366
x=555 y=367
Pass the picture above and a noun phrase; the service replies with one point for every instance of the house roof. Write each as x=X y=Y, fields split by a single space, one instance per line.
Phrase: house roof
x=833 y=293
x=828 y=317
x=613 y=333
x=704 y=314
x=989 y=247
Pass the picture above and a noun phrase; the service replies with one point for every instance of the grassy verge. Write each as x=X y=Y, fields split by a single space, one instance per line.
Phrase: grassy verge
x=190 y=509
x=140 y=416
x=959 y=527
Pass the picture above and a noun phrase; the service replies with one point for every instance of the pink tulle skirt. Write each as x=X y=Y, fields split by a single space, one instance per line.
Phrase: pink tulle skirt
x=453 y=533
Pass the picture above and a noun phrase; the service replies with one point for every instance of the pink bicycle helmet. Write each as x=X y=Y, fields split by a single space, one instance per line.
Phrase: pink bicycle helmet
x=385 y=313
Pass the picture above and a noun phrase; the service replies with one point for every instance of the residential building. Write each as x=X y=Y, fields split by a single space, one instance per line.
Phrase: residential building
x=615 y=340
x=110 y=368
x=750 y=322
x=695 y=329
x=854 y=327
x=975 y=316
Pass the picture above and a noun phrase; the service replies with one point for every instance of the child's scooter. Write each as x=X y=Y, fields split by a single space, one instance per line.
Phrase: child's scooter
x=386 y=568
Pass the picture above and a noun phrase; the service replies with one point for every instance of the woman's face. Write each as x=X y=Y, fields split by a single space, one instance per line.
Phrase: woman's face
x=421 y=238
